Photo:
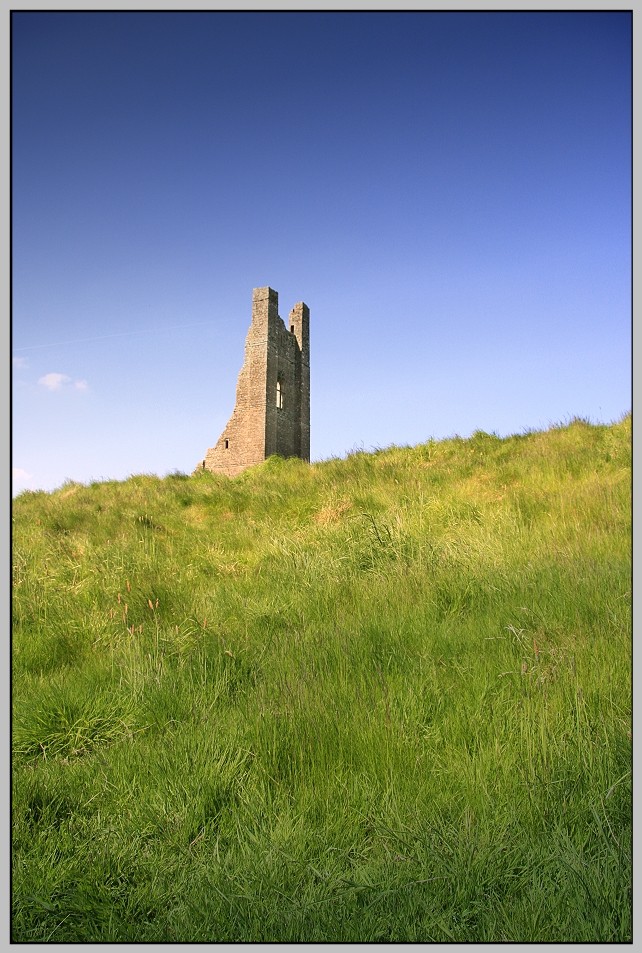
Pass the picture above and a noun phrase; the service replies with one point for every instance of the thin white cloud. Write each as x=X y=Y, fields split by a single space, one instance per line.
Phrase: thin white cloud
x=19 y=363
x=21 y=476
x=54 y=381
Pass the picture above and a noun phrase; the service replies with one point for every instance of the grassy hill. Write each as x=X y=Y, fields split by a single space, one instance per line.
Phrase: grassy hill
x=385 y=698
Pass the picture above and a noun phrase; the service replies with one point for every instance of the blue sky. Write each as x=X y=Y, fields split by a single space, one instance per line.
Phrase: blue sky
x=449 y=193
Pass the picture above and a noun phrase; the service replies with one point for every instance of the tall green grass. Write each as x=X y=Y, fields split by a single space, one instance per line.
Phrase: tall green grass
x=384 y=698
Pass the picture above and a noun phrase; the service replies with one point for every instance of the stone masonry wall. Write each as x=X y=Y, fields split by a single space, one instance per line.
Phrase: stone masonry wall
x=272 y=411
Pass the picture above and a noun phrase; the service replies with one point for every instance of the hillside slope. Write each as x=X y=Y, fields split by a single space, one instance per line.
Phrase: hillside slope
x=379 y=698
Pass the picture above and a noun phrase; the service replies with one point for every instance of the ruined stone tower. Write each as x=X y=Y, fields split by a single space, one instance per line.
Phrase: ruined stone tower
x=272 y=412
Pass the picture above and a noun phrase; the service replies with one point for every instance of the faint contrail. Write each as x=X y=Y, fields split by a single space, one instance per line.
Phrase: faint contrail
x=117 y=334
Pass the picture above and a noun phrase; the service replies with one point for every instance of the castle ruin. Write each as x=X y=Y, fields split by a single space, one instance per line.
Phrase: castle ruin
x=272 y=411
